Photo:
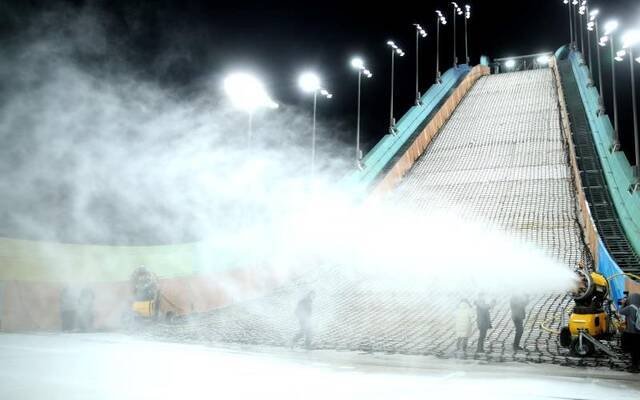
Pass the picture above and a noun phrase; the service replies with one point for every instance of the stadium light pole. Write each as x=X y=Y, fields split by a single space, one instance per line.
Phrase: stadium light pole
x=441 y=20
x=609 y=29
x=575 y=16
x=311 y=83
x=394 y=50
x=630 y=40
x=467 y=16
x=247 y=94
x=593 y=16
x=568 y=3
x=581 y=12
x=589 y=29
x=456 y=11
x=358 y=64
x=420 y=32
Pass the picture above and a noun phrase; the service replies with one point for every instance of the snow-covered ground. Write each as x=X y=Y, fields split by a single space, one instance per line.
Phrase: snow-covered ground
x=112 y=366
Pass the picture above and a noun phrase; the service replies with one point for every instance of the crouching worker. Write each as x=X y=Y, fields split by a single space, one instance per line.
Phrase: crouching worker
x=631 y=334
x=464 y=323
x=303 y=313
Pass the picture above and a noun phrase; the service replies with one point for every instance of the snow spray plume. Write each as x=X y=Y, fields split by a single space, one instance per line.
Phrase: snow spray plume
x=94 y=154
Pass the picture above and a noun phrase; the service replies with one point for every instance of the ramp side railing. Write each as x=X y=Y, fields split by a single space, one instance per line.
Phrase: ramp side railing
x=406 y=158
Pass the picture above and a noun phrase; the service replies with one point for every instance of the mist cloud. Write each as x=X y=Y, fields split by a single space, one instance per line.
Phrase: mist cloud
x=93 y=151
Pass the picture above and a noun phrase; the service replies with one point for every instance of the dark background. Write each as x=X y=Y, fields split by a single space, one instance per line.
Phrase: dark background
x=180 y=43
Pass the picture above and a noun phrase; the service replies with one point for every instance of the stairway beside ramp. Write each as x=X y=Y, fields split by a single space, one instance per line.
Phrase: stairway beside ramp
x=595 y=185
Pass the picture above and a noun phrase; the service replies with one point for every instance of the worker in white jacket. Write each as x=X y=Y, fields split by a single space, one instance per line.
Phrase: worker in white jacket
x=464 y=323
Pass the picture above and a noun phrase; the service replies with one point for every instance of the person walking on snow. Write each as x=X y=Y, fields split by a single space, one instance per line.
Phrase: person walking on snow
x=518 y=305
x=483 y=319
x=464 y=322
x=303 y=313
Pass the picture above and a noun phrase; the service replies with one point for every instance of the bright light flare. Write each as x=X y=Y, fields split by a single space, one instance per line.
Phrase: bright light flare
x=510 y=64
x=610 y=27
x=247 y=93
x=631 y=38
x=326 y=93
x=543 y=59
x=309 y=82
x=357 y=63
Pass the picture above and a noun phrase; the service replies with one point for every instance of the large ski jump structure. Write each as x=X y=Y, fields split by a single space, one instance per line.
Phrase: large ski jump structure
x=528 y=151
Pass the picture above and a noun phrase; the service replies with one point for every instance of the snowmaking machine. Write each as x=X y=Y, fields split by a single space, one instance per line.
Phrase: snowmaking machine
x=145 y=294
x=592 y=319
x=149 y=303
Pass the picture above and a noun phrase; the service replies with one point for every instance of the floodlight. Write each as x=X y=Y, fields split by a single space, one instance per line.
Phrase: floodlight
x=610 y=27
x=247 y=93
x=631 y=38
x=543 y=59
x=309 y=82
x=357 y=63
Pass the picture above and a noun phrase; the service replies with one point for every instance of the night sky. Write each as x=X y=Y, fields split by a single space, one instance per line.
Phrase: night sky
x=180 y=43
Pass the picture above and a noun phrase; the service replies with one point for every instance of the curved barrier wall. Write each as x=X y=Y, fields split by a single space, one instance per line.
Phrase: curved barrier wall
x=609 y=268
x=26 y=260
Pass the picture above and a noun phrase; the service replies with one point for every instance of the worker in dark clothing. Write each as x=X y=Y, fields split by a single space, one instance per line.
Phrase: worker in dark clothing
x=624 y=301
x=303 y=313
x=84 y=318
x=67 y=310
x=518 y=305
x=145 y=286
x=483 y=319
x=631 y=334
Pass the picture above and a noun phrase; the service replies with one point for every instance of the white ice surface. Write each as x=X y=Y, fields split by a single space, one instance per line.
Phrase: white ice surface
x=109 y=366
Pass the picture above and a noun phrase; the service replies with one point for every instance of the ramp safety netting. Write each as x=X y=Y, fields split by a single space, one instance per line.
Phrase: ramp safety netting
x=500 y=158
